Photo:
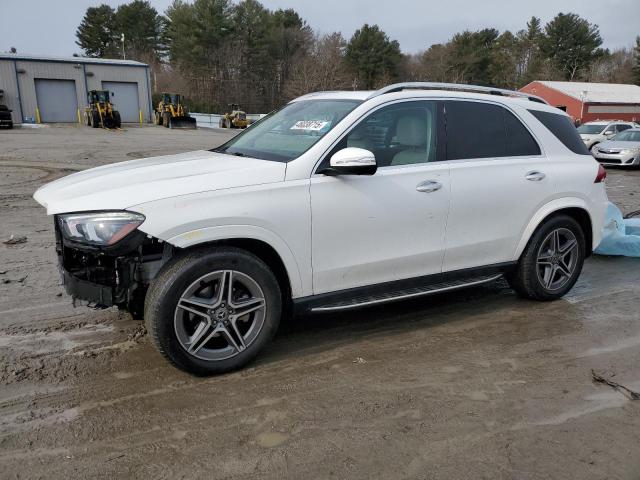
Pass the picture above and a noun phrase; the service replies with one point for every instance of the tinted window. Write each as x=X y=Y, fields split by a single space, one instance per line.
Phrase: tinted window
x=399 y=134
x=622 y=128
x=481 y=130
x=563 y=129
x=519 y=140
x=474 y=130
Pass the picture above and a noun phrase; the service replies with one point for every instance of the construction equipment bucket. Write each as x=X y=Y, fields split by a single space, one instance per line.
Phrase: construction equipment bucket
x=182 y=122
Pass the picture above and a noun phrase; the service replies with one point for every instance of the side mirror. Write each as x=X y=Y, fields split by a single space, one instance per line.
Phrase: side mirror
x=609 y=132
x=352 y=161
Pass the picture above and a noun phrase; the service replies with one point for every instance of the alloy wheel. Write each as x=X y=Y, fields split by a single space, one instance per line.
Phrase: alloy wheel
x=219 y=315
x=557 y=258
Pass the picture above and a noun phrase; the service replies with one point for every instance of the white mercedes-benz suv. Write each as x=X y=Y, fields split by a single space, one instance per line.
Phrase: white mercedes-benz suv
x=338 y=200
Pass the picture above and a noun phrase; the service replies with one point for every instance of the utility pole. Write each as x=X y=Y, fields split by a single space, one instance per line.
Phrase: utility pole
x=124 y=57
x=583 y=98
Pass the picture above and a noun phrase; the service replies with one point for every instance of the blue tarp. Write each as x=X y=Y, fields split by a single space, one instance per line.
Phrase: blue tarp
x=620 y=236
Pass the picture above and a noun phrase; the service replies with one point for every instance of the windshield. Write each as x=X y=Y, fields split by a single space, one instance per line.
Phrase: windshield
x=628 y=136
x=289 y=132
x=101 y=96
x=590 y=129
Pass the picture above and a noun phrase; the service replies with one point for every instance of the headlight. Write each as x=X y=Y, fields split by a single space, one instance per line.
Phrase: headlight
x=630 y=150
x=101 y=229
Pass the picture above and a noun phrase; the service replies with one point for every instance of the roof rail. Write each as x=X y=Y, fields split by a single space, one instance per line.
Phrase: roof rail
x=456 y=87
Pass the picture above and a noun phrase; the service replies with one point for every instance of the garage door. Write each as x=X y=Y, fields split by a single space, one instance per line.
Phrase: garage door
x=57 y=100
x=125 y=98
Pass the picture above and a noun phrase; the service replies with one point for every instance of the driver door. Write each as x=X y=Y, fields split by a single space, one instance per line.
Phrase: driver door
x=388 y=226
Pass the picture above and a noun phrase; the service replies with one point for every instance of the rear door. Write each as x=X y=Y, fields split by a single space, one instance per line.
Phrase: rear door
x=499 y=178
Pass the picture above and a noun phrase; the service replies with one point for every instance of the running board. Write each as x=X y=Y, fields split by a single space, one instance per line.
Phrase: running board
x=407 y=293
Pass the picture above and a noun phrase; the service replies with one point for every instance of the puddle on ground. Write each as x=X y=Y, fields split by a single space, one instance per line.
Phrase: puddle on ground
x=613 y=347
x=271 y=439
x=604 y=400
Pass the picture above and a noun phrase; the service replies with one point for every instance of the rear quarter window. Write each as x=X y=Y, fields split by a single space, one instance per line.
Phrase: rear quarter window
x=562 y=129
x=519 y=141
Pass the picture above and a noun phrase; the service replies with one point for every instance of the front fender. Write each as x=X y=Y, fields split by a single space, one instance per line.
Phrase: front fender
x=548 y=209
x=227 y=232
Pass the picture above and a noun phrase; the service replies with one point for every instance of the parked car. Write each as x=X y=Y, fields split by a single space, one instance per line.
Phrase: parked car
x=622 y=150
x=593 y=133
x=337 y=201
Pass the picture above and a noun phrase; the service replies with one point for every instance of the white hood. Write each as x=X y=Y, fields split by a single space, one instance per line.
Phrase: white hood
x=121 y=185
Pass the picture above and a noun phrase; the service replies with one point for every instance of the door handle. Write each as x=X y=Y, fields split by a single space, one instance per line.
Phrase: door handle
x=535 y=176
x=428 y=186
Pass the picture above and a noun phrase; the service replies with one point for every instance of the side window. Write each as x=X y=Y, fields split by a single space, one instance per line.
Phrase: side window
x=519 y=141
x=622 y=127
x=474 y=130
x=562 y=128
x=399 y=134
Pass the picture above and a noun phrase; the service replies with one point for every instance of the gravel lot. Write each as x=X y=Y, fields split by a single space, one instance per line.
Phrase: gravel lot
x=476 y=384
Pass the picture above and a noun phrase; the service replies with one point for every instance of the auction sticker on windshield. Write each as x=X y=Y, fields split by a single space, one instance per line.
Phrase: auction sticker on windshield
x=314 y=125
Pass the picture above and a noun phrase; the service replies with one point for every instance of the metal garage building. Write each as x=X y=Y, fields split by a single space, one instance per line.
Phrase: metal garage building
x=590 y=101
x=54 y=89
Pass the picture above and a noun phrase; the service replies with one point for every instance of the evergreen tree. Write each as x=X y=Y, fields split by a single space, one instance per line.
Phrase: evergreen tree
x=142 y=29
x=636 y=64
x=571 y=43
x=372 y=56
x=472 y=55
x=528 y=54
x=96 y=35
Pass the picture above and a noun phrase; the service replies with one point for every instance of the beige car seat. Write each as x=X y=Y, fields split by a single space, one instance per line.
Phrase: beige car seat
x=414 y=136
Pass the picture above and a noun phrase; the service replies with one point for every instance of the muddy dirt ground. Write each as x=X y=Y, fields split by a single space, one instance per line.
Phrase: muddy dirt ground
x=477 y=384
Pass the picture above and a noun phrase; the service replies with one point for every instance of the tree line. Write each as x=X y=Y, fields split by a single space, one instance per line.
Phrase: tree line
x=216 y=52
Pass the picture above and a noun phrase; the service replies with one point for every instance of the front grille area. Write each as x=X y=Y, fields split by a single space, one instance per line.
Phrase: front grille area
x=609 y=160
x=609 y=152
x=112 y=275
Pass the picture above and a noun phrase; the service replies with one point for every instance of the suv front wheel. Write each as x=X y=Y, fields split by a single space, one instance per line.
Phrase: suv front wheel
x=552 y=261
x=212 y=311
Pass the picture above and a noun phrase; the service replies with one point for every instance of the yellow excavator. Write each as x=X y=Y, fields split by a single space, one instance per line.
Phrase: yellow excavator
x=172 y=113
x=100 y=112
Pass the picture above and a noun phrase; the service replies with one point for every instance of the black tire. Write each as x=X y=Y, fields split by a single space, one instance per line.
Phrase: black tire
x=179 y=275
x=166 y=117
x=527 y=279
x=117 y=121
x=95 y=120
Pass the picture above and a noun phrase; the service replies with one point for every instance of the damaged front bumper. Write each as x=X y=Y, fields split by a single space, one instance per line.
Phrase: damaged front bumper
x=117 y=275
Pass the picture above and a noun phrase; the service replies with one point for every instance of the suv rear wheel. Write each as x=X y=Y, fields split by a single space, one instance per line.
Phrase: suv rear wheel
x=212 y=311
x=552 y=261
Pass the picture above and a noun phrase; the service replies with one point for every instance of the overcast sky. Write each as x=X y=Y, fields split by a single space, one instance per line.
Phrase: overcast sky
x=47 y=27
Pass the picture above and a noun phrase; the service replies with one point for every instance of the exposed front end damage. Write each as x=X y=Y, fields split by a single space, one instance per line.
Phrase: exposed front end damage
x=117 y=275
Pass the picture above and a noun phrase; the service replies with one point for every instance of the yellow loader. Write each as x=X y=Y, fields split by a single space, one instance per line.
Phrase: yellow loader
x=100 y=112
x=235 y=119
x=171 y=112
